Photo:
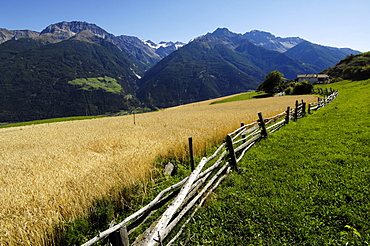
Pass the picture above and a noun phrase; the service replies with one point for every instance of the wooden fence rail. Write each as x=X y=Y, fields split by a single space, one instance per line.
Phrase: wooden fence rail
x=187 y=196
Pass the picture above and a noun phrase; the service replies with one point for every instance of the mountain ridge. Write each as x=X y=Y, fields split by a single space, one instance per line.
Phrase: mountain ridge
x=36 y=69
x=216 y=64
x=136 y=49
x=145 y=54
x=271 y=42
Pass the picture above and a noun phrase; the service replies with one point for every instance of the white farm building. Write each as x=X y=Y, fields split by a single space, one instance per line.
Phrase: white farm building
x=313 y=78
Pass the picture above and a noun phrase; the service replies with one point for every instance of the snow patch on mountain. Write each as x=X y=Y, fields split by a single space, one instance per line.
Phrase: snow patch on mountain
x=138 y=76
x=163 y=44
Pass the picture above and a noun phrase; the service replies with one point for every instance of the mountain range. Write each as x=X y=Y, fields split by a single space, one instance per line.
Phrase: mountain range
x=216 y=64
x=39 y=70
x=143 y=53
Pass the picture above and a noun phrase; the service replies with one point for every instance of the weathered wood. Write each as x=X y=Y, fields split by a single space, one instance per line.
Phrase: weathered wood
x=124 y=236
x=199 y=205
x=242 y=130
x=276 y=124
x=232 y=156
x=115 y=237
x=167 y=216
x=191 y=153
x=262 y=125
x=242 y=146
x=193 y=201
x=135 y=215
x=139 y=221
x=243 y=135
x=296 y=111
x=246 y=149
x=274 y=117
x=287 y=115
x=251 y=132
x=215 y=165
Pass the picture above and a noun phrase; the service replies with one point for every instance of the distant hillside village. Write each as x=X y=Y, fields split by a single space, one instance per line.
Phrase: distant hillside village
x=313 y=78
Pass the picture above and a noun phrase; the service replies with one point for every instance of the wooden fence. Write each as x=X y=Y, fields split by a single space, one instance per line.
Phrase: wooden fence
x=186 y=197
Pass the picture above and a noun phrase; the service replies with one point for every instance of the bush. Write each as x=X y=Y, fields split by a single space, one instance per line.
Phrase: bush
x=272 y=83
x=303 y=87
x=289 y=90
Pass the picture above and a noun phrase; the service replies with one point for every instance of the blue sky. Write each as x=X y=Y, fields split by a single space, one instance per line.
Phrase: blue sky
x=337 y=23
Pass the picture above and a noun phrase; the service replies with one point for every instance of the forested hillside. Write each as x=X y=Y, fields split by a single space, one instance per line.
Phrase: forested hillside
x=35 y=77
x=355 y=67
x=217 y=64
x=36 y=69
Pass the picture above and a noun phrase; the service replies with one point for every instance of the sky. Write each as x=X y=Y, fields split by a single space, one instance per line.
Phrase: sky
x=337 y=23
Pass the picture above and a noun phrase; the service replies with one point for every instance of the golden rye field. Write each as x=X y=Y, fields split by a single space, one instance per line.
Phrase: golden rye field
x=53 y=172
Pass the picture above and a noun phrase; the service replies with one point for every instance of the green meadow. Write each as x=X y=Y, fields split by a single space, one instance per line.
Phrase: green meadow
x=105 y=83
x=46 y=121
x=243 y=96
x=306 y=184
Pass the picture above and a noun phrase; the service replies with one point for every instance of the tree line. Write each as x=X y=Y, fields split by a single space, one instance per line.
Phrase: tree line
x=276 y=83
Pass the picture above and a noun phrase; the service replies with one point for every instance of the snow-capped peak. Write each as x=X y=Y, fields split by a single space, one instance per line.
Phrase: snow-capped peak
x=150 y=44
x=163 y=44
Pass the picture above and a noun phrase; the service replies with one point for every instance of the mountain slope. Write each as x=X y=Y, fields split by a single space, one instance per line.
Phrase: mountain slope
x=271 y=42
x=35 y=79
x=6 y=35
x=163 y=49
x=318 y=55
x=196 y=72
x=353 y=67
x=216 y=64
x=140 y=52
x=268 y=60
x=264 y=59
x=321 y=56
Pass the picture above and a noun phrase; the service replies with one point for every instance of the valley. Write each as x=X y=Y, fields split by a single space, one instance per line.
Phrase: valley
x=54 y=173
x=36 y=67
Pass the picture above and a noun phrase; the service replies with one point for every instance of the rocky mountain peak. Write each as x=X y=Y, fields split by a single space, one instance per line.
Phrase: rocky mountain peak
x=224 y=32
x=69 y=29
x=270 y=41
x=6 y=34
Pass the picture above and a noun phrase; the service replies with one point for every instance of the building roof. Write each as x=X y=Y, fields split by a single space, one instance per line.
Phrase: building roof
x=313 y=76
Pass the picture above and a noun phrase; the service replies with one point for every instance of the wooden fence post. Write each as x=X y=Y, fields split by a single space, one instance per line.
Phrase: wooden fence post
x=303 y=108
x=243 y=135
x=124 y=236
x=287 y=115
x=191 y=153
x=119 y=238
x=309 y=108
x=232 y=156
x=296 y=111
x=262 y=125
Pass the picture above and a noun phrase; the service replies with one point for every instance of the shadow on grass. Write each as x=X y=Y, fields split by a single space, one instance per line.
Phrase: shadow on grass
x=262 y=96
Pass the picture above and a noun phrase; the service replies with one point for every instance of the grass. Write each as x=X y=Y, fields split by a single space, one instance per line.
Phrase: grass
x=105 y=83
x=48 y=121
x=307 y=184
x=51 y=173
x=241 y=97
